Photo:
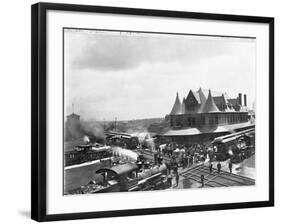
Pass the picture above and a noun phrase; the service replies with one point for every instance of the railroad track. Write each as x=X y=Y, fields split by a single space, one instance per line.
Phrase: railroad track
x=214 y=179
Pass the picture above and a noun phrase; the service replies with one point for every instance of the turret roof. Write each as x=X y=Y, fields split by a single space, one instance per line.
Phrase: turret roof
x=209 y=106
x=177 y=108
x=208 y=102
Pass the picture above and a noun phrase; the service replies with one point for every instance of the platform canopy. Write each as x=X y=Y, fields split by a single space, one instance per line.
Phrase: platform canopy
x=218 y=129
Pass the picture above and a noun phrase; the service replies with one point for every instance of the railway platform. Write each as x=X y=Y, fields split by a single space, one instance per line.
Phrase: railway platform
x=192 y=177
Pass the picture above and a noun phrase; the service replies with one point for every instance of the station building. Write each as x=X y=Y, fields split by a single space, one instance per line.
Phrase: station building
x=205 y=114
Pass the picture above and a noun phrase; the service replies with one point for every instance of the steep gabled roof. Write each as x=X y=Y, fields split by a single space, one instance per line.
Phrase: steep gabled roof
x=219 y=99
x=229 y=109
x=206 y=101
x=177 y=108
x=209 y=106
x=214 y=93
x=201 y=96
x=234 y=101
x=196 y=96
x=193 y=94
x=183 y=106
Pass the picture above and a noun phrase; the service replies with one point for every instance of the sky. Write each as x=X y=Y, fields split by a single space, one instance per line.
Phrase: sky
x=131 y=75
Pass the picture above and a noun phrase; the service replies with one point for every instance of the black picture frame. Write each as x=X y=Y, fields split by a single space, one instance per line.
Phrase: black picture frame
x=39 y=115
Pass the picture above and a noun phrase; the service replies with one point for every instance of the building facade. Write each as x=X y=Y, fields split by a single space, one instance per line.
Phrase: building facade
x=204 y=115
x=73 y=128
x=203 y=109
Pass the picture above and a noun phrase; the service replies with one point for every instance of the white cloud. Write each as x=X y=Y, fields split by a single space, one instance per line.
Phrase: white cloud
x=132 y=76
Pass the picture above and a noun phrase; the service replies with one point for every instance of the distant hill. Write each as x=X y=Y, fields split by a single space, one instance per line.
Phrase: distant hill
x=138 y=125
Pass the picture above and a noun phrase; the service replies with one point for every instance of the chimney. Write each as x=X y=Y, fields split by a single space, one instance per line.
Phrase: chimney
x=245 y=100
x=240 y=98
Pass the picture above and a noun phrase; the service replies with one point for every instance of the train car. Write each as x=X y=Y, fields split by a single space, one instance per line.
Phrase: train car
x=85 y=153
x=236 y=146
x=126 y=177
x=122 y=139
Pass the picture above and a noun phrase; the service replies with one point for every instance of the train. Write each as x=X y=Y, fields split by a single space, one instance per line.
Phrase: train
x=236 y=146
x=86 y=152
x=130 y=141
x=122 y=139
x=127 y=177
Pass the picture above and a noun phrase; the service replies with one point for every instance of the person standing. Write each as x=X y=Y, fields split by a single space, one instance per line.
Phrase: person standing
x=202 y=180
x=230 y=166
x=175 y=168
x=160 y=160
x=211 y=167
x=219 y=167
x=185 y=161
x=168 y=168
x=155 y=157
x=177 y=179
x=169 y=180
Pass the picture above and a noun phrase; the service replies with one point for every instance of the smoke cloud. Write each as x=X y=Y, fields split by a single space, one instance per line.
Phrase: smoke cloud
x=93 y=128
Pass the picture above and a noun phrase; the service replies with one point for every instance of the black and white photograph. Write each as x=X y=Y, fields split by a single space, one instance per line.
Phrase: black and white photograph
x=140 y=112
x=148 y=111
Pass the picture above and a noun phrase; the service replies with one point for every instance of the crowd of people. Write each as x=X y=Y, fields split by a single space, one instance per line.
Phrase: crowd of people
x=186 y=154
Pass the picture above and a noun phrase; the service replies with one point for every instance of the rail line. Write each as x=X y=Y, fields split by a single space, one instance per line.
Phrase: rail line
x=215 y=179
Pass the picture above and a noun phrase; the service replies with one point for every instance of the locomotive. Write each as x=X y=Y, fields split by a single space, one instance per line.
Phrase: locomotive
x=127 y=177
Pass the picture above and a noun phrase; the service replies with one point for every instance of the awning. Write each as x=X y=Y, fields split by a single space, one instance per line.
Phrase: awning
x=218 y=129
